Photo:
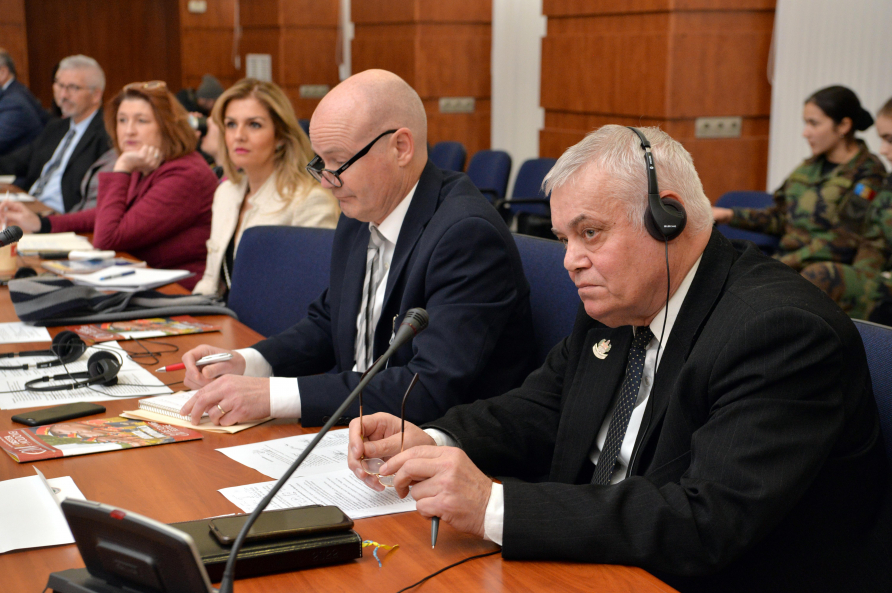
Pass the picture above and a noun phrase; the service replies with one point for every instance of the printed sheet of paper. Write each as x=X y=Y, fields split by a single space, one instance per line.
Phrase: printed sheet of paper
x=133 y=381
x=30 y=516
x=17 y=332
x=340 y=488
x=273 y=458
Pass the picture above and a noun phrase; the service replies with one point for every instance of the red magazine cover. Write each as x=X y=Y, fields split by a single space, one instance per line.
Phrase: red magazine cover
x=154 y=327
x=82 y=437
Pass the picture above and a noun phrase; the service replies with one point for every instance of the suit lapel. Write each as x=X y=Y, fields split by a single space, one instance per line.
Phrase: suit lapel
x=87 y=137
x=594 y=386
x=705 y=290
x=423 y=206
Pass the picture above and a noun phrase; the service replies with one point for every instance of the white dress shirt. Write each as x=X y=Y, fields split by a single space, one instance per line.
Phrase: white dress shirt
x=284 y=394
x=52 y=191
x=494 y=519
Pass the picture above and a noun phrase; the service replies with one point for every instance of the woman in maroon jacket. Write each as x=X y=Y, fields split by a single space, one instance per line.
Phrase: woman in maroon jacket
x=156 y=203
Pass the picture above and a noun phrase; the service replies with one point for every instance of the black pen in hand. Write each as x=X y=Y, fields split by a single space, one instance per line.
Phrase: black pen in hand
x=435 y=526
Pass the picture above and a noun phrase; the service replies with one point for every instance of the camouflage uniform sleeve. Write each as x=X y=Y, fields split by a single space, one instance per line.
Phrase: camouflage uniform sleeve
x=770 y=220
x=875 y=248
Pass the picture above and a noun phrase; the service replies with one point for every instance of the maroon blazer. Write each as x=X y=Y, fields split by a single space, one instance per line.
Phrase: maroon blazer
x=163 y=218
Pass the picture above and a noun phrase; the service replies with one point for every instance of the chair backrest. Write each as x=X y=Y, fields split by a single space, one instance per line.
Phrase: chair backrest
x=878 y=346
x=278 y=272
x=529 y=183
x=748 y=199
x=489 y=170
x=304 y=125
x=553 y=297
x=449 y=155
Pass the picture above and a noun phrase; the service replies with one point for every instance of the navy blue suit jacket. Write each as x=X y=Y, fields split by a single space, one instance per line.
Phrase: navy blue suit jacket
x=759 y=465
x=455 y=258
x=21 y=117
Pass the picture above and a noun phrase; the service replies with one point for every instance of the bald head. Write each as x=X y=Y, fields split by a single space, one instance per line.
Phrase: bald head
x=372 y=130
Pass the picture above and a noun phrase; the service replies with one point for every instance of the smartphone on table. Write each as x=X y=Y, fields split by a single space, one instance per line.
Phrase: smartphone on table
x=58 y=413
x=270 y=525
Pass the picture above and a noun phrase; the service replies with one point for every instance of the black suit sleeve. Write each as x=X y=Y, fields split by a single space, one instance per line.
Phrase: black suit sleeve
x=775 y=387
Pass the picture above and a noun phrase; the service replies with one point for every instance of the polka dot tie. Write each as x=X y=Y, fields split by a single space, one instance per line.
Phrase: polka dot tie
x=628 y=395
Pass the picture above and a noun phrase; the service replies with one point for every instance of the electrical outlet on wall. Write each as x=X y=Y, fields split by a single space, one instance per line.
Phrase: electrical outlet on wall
x=456 y=104
x=718 y=127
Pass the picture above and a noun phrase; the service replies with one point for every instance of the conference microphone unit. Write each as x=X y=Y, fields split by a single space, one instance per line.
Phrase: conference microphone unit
x=11 y=235
x=414 y=322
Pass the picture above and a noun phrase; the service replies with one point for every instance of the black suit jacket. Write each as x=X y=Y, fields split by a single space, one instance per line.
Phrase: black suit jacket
x=27 y=162
x=455 y=258
x=759 y=465
x=21 y=117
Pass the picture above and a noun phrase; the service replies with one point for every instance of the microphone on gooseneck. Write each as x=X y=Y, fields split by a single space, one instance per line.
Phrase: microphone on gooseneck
x=414 y=321
x=11 y=235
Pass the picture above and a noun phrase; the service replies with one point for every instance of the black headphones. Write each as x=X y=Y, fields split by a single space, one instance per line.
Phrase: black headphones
x=102 y=368
x=664 y=218
x=67 y=347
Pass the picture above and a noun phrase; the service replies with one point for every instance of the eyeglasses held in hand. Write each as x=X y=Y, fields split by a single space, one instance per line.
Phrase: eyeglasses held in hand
x=372 y=465
x=317 y=169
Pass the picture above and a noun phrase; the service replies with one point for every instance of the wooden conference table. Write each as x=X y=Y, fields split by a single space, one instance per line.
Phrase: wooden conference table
x=179 y=482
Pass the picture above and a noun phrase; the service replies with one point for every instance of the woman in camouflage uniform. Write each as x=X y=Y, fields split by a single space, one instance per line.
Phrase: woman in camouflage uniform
x=864 y=289
x=820 y=211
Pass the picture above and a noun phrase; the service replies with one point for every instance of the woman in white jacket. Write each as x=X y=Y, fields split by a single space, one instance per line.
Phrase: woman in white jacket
x=265 y=155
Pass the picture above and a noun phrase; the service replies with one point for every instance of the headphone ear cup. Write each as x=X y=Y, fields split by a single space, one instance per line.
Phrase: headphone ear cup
x=680 y=219
x=103 y=368
x=68 y=346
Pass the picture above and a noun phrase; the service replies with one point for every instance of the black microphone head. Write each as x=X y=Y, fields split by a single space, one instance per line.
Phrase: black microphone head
x=11 y=235
x=417 y=318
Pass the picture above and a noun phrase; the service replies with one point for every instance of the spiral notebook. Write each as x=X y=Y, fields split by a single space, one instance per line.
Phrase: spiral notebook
x=169 y=405
x=164 y=407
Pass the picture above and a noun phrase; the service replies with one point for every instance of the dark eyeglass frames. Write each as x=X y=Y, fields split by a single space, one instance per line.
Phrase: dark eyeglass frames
x=317 y=169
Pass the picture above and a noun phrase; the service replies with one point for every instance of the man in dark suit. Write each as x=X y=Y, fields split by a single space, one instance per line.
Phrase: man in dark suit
x=411 y=235
x=52 y=166
x=740 y=440
x=21 y=115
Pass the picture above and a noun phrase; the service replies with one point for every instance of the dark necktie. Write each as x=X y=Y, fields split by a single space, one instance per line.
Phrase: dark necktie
x=44 y=179
x=628 y=395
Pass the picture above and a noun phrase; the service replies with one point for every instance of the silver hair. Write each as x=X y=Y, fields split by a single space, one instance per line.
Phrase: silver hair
x=82 y=62
x=6 y=60
x=616 y=152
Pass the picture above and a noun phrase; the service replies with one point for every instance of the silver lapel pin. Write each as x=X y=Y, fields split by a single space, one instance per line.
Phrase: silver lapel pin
x=601 y=349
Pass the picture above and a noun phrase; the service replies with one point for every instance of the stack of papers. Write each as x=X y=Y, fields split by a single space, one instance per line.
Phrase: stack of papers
x=323 y=478
x=30 y=516
x=35 y=243
x=129 y=279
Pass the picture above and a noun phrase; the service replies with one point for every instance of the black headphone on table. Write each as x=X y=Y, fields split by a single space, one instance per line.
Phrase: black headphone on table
x=664 y=218
x=102 y=368
x=67 y=347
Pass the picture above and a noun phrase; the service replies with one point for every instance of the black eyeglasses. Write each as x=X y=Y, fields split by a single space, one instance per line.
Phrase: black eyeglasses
x=317 y=169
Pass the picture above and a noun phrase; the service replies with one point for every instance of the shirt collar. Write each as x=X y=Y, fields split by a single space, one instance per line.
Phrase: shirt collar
x=390 y=226
x=82 y=126
x=674 y=306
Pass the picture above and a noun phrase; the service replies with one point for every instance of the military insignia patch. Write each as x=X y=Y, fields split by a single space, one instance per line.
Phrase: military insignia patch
x=865 y=192
x=601 y=349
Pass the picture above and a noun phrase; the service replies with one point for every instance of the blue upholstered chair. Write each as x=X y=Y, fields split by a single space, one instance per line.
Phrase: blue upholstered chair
x=748 y=199
x=449 y=155
x=489 y=170
x=278 y=272
x=528 y=204
x=878 y=345
x=553 y=297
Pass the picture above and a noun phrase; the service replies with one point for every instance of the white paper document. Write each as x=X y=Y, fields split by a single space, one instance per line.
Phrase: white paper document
x=340 y=488
x=273 y=458
x=30 y=516
x=133 y=381
x=129 y=279
x=33 y=243
x=17 y=332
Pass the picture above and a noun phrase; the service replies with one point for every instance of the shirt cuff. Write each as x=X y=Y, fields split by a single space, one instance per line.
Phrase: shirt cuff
x=494 y=519
x=255 y=364
x=441 y=438
x=284 y=397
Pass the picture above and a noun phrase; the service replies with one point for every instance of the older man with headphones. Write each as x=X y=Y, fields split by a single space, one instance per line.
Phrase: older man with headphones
x=710 y=418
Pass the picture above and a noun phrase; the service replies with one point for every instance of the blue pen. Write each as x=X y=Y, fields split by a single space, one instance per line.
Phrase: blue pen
x=110 y=276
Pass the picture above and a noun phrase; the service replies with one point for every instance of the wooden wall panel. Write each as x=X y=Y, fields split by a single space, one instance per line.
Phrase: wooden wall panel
x=310 y=13
x=14 y=37
x=144 y=46
x=662 y=62
x=442 y=49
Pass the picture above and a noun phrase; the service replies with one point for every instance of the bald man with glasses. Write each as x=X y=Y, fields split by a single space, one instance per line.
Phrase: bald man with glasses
x=411 y=235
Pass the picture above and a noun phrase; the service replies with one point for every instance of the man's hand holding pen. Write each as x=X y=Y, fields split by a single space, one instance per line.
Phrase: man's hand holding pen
x=445 y=483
